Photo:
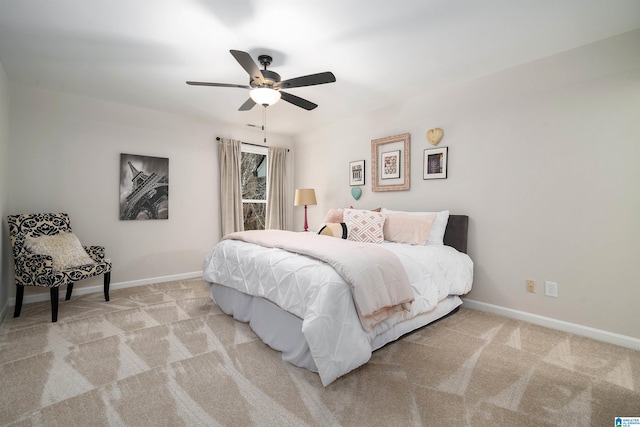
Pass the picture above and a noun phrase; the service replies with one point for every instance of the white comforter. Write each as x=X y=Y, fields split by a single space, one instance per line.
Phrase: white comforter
x=315 y=292
x=379 y=283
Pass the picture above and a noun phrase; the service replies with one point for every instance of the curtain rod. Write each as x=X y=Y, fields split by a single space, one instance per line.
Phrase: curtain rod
x=249 y=143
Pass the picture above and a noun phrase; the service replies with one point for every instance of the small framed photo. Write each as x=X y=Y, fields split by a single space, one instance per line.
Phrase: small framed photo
x=356 y=172
x=435 y=163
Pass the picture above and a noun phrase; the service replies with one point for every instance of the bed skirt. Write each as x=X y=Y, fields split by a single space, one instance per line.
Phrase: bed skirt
x=282 y=331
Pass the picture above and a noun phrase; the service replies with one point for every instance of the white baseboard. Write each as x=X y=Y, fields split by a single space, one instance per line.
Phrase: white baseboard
x=100 y=288
x=574 y=328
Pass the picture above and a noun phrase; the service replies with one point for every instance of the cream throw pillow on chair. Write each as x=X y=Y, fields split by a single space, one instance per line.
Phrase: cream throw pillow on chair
x=65 y=249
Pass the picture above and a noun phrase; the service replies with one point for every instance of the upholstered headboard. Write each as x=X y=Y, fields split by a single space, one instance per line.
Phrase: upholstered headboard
x=456 y=232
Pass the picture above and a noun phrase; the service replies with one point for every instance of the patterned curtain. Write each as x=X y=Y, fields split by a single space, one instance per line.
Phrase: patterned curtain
x=230 y=156
x=277 y=194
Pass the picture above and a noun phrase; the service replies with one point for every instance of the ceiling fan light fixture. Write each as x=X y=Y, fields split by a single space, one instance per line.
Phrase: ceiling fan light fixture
x=265 y=96
x=264 y=85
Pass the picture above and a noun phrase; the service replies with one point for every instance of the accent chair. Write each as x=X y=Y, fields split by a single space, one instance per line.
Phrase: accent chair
x=48 y=254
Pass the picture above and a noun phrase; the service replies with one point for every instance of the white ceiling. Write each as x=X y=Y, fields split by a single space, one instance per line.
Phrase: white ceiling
x=141 y=52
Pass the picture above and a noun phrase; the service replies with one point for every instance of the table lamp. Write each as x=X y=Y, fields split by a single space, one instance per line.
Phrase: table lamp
x=305 y=197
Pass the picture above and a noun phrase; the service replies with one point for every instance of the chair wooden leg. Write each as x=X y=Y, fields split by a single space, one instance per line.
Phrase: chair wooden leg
x=107 y=281
x=67 y=297
x=19 y=296
x=54 y=304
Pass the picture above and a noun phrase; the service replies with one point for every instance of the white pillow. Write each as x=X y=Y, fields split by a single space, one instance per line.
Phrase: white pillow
x=366 y=226
x=436 y=237
x=65 y=249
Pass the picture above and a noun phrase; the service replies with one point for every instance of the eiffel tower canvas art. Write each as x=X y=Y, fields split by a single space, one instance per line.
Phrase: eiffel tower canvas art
x=144 y=187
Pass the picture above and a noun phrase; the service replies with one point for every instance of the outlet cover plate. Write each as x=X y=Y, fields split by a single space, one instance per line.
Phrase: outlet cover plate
x=531 y=286
x=551 y=289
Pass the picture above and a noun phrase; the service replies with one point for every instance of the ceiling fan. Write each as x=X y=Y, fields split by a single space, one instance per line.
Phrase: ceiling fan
x=266 y=86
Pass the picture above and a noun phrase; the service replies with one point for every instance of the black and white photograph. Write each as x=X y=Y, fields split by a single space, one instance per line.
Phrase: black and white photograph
x=435 y=163
x=356 y=173
x=144 y=187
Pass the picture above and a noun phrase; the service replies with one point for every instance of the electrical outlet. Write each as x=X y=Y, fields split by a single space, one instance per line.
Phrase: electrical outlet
x=551 y=289
x=531 y=286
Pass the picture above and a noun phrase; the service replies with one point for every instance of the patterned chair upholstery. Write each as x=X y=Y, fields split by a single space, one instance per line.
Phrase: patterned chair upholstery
x=38 y=270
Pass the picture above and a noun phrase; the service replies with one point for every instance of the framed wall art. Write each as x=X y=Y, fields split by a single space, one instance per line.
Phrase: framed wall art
x=390 y=163
x=435 y=163
x=356 y=173
x=144 y=187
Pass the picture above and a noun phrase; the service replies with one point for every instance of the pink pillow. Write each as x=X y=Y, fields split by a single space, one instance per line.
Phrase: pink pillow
x=437 y=229
x=334 y=216
x=409 y=229
x=366 y=226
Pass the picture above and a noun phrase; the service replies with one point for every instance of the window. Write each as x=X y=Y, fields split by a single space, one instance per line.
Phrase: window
x=254 y=187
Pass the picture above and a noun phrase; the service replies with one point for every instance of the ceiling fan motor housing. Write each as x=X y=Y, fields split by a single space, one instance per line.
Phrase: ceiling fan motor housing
x=270 y=77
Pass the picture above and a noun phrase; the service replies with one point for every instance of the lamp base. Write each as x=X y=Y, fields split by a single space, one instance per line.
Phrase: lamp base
x=306 y=225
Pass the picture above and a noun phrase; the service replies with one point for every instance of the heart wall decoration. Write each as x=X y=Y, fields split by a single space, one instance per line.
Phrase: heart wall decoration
x=434 y=136
x=356 y=192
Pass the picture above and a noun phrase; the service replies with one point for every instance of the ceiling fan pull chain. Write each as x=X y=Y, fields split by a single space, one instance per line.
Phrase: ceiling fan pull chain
x=264 y=123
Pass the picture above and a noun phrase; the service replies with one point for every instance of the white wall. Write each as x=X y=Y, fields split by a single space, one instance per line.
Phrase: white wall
x=65 y=156
x=5 y=257
x=543 y=158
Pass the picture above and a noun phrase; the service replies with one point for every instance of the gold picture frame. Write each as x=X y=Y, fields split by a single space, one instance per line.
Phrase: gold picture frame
x=381 y=181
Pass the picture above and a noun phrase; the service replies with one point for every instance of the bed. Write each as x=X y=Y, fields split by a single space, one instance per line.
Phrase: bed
x=300 y=303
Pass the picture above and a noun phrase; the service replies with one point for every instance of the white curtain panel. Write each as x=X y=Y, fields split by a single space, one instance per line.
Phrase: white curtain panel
x=277 y=194
x=230 y=155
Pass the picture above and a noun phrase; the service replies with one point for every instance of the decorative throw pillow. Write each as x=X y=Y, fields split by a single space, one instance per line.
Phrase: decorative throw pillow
x=409 y=229
x=335 y=229
x=65 y=249
x=366 y=226
x=337 y=215
x=373 y=210
x=333 y=216
x=436 y=237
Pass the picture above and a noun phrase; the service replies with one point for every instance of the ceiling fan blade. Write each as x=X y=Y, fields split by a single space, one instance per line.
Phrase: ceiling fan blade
x=244 y=59
x=248 y=105
x=218 y=84
x=296 y=100
x=310 y=80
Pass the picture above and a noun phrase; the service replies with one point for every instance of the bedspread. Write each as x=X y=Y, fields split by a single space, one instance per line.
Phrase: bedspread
x=378 y=281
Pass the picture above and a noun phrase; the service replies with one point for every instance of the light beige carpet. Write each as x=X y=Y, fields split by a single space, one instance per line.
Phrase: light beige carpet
x=165 y=355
